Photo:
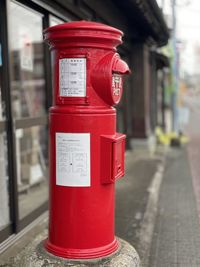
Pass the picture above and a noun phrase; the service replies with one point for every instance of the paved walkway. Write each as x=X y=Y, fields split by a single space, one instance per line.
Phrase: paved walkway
x=176 y=238
x=158 y=216
x=131 y=197
x=134 y=221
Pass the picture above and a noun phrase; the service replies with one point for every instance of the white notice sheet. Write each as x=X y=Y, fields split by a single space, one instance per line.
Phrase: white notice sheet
x=72 y=77
x=73 y=159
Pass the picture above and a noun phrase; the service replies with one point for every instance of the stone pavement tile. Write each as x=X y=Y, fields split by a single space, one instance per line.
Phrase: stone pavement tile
x=194 y=159
x=132 y=194
x=176 y=239
x=131 y=199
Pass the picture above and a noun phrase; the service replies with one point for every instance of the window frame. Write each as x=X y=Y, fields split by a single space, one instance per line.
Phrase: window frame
x=9 y=124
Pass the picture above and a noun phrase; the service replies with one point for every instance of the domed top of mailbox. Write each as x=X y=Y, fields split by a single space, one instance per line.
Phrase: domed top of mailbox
x=83 y=34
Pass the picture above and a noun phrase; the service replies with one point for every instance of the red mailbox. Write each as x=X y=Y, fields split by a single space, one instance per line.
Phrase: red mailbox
x=86 y=153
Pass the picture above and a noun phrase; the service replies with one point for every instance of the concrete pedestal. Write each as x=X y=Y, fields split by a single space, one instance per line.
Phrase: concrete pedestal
x=35 y=255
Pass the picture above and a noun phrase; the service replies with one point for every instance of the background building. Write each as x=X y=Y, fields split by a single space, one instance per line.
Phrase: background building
x=26 y=93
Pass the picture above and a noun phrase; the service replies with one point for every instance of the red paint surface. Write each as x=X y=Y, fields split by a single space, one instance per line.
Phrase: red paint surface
x=81 y=222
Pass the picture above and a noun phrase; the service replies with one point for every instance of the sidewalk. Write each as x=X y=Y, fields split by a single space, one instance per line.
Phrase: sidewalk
x=176 y=238
x=155 y=209
x=176 y=235
x=132 y=196
x=136 y=198
x=159 y=210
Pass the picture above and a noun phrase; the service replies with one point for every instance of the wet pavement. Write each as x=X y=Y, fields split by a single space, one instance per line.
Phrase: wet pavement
x=132 y=196
x=157 y=204
x=136 y=199
x=176 y=237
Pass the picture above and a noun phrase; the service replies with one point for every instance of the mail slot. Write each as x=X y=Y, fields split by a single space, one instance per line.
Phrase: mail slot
x=112 y=158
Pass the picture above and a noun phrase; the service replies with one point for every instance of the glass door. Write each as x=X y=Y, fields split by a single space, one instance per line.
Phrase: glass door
x=29 y=111
x=25 y=95
x=4 y=182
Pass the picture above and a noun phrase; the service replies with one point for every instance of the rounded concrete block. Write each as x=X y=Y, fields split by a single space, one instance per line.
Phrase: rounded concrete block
x=37 y=256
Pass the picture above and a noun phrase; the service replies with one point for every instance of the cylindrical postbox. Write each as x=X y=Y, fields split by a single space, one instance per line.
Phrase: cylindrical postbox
x=86 y=153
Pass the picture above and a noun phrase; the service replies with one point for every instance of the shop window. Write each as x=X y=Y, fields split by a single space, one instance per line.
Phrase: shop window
x=27 y=62
x=4 y=185
x=28 y=99
x=55 y=21
x=2 y=104
x=31 y=149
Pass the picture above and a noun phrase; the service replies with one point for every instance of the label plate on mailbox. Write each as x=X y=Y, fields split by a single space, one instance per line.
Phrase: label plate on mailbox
x=72 y=77
x=112 y=157
x=73 y=159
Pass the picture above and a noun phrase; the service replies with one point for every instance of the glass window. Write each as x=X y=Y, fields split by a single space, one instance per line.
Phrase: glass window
x=31 y=149
x=4 y=183
x=55 y=21
x=4 y=186
x=27 y=62
x=2 y=104
x=1 y=107
x=28 y=101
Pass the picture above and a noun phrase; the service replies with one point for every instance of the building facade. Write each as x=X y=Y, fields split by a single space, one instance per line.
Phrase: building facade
x=26 y=91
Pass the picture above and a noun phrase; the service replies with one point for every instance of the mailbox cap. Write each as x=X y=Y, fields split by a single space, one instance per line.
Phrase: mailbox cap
x=83 y=24
x=83 y=34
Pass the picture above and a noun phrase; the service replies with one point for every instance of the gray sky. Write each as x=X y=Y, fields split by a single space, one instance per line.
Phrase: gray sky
x=188 y=32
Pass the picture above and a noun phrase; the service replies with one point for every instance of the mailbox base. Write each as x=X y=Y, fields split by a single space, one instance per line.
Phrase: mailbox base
x=36 y=255
x=82 y=253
